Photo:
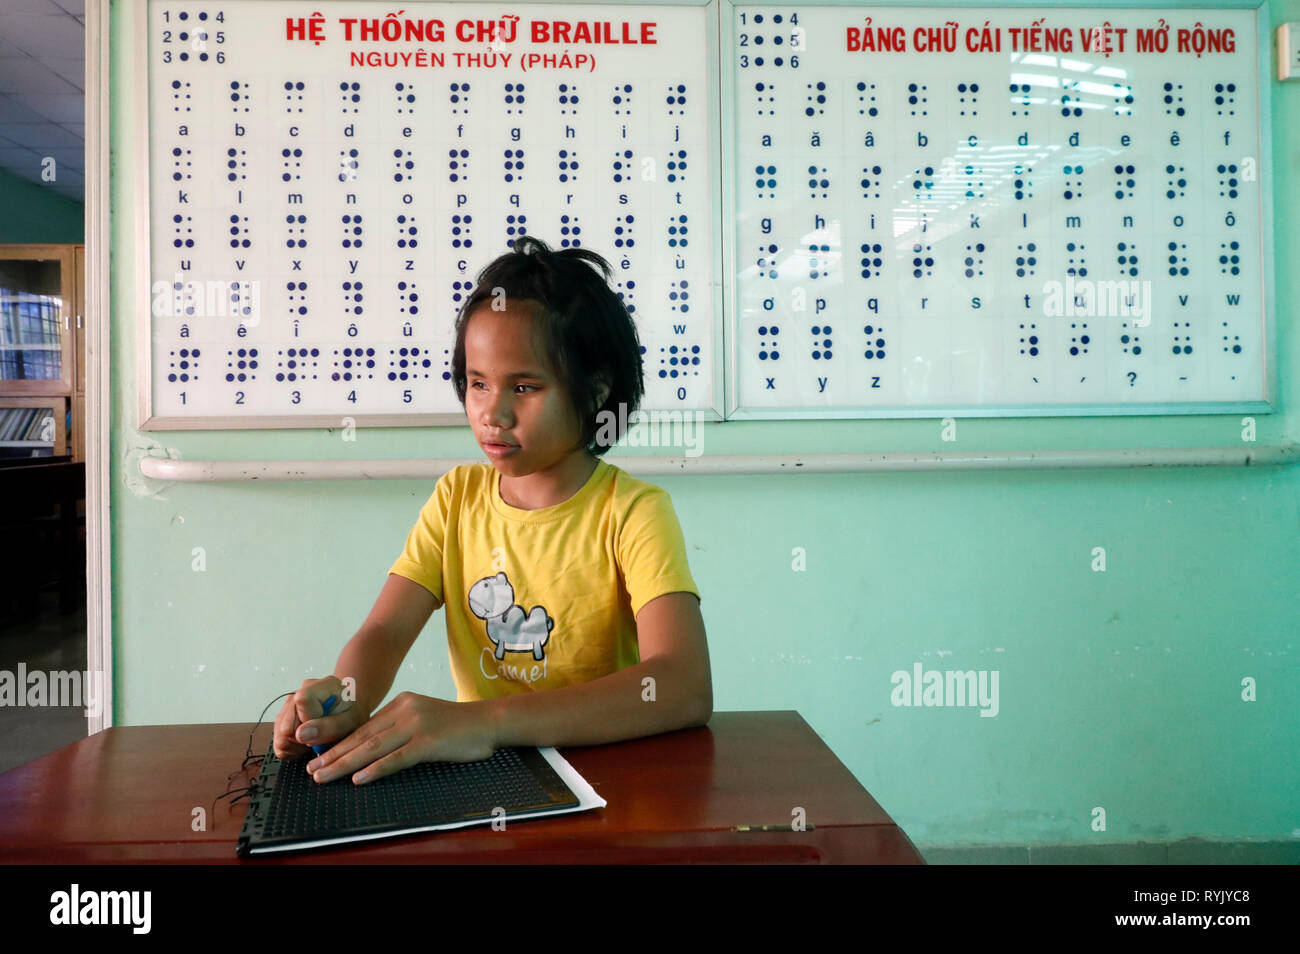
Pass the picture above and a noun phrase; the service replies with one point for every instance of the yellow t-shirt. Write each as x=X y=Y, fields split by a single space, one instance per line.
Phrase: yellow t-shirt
x=540 y=599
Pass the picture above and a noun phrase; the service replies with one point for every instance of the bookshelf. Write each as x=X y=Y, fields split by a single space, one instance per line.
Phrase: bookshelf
x=42 y=351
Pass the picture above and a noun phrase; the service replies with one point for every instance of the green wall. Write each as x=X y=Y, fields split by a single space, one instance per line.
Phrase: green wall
x=32 y=214
x=1119 y=689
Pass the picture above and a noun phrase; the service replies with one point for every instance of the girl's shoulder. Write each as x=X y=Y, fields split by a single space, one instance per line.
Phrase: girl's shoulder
x=467 y=475
x=629 y=492
x=461 y=482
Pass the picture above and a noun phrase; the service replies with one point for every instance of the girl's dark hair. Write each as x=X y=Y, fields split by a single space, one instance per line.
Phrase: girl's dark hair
x=579 y=323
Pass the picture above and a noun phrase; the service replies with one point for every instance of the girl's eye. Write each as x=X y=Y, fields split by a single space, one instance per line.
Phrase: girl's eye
x=530 y=387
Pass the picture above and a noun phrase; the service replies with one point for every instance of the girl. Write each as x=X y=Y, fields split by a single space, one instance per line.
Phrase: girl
x=572 y=617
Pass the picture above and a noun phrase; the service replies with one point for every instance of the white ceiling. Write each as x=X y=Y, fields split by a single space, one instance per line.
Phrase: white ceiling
x=42 y=96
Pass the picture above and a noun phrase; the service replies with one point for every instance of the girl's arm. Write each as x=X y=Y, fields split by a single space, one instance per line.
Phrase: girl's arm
x=671 y=688
x=373 y=656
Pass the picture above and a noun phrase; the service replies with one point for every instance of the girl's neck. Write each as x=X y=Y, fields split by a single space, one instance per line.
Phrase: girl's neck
x=549 y=487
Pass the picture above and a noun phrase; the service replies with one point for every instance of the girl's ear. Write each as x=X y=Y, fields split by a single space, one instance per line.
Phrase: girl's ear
x=602 y=392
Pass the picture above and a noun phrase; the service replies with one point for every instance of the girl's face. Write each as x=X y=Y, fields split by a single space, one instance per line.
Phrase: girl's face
x=518 y=408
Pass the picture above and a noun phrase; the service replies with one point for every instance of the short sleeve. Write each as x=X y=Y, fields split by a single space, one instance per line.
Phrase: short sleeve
x=652 y=550
x=421 y=559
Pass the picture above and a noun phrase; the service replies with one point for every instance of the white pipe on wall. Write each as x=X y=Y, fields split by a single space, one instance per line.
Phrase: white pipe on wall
x=163 y=468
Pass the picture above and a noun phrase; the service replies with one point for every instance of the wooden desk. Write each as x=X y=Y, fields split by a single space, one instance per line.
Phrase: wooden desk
x=127 y=795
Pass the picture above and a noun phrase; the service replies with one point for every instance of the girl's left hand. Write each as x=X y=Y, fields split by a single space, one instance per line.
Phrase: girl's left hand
x=410 y=729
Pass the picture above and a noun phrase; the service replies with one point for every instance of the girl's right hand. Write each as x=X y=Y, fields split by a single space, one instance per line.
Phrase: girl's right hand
x=303 y=712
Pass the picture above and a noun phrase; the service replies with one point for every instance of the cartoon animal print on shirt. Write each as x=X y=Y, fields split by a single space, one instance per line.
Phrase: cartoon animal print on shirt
x=493 y=599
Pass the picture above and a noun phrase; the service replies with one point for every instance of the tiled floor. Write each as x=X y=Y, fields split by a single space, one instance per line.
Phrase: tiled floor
x=1190 y=851
x=49 y=642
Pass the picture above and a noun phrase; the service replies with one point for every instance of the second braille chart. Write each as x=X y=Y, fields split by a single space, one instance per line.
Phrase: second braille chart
x=993 y=211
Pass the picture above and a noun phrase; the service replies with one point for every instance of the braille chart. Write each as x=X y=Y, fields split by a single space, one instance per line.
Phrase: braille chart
x=984 y=211
x=997 y=211
x=326 y=179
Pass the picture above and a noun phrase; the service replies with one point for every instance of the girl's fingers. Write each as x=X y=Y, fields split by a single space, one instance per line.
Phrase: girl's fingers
x=359 y=737
x=285 y=730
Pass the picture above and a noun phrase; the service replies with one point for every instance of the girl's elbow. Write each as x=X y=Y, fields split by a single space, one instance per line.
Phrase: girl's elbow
x=702 y=712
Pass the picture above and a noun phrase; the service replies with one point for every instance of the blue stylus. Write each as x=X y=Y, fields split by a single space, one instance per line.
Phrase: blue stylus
x=327 y=705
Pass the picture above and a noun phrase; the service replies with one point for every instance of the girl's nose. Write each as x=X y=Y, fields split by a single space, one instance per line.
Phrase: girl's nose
x=497 y=411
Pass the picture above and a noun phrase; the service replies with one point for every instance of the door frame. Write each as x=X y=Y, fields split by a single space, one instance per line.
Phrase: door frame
x=98 y=225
